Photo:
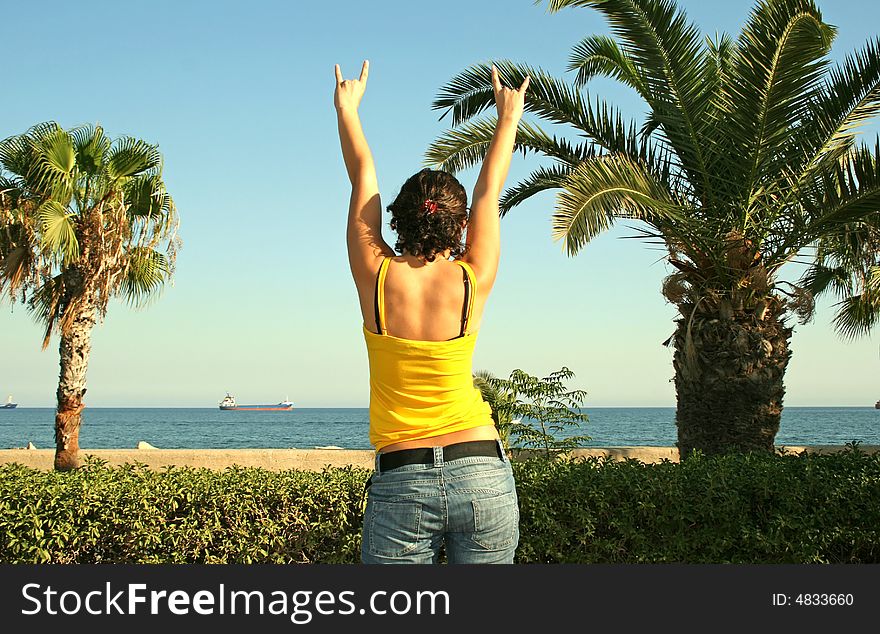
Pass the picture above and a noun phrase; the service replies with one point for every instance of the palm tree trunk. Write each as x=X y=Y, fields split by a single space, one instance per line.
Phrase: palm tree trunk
x=74 y=360
x=729 y=381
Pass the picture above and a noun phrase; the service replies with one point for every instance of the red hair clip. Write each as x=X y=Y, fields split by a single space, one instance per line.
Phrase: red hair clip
x=429 y=206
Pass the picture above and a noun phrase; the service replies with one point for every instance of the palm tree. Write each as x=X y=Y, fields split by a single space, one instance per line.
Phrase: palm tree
x=747 y=160
x=82 y=219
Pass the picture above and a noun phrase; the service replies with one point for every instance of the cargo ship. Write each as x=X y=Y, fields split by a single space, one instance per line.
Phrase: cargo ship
x=228 y=403
x=9 y=404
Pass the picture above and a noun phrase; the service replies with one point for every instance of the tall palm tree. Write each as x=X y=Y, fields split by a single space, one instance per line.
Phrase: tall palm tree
x=747 y=160
x=82 y=219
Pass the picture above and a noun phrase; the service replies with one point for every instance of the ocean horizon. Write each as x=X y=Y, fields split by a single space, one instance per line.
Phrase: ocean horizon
x=347 y=427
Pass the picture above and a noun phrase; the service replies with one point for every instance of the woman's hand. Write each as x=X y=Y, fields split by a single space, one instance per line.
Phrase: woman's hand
x=483 y=233
x=509 y=101
x=350 y=91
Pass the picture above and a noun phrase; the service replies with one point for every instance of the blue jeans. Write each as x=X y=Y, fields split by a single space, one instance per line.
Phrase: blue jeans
x=468 y=504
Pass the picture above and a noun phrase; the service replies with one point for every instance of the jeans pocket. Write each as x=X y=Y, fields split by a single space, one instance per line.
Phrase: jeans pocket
x=394 y=527
x=496 y=521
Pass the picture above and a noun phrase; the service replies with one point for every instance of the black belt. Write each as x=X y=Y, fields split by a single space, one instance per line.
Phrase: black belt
x=425 y=455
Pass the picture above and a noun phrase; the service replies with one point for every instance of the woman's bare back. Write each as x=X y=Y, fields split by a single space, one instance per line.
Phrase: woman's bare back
x=423 y=301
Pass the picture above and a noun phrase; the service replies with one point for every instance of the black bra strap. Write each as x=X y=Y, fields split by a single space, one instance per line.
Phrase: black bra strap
x=376 y=301
x=467 y=298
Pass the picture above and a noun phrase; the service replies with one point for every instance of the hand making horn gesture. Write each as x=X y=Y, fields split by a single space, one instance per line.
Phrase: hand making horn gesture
x=509 y=101
x=350 y=91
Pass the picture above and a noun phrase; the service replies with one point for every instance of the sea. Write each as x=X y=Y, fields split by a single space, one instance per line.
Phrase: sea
x=307 y=428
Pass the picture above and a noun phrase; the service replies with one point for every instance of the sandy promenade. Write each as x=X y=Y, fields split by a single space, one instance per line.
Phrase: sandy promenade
x=309 y=459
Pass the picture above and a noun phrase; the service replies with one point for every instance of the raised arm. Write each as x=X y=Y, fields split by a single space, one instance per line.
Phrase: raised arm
x=364 y=231
x=483 y=232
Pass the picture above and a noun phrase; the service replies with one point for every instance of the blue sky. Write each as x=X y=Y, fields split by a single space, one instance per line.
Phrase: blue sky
x=239 y=98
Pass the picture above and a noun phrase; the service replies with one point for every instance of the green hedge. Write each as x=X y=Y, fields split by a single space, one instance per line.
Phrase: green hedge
x=804 y=508
x=179 y=515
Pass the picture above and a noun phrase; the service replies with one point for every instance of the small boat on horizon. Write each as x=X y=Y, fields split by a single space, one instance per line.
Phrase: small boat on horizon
x=9 y=404
x=228 y=403
x=877 y=405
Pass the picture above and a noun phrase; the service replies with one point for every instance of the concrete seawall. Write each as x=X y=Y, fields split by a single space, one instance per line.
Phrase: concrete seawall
x=317 y=459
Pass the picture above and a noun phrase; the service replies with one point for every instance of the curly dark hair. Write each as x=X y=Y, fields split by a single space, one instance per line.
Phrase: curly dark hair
x=429 y=215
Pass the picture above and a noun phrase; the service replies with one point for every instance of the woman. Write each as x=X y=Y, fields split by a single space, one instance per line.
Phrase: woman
x=441 y=477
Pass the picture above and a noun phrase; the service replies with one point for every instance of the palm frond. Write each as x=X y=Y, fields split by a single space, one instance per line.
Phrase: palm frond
x=47 y=305
x=847 y=99
x=466 y=146
x=15 y=154
x=820 y=278
x=16 y=265
x=18 y=153
x=669 y=53
x=720 y=54
x=145 y=275
x=856 y=316
x=470 y=93
x=542 y=179
x=10 y=192
x=840 y=194
x=604 y=189
x=129 y=157
x=57 y=232
x=17 y=253
x=146 y=196
x=52 y=171
x=847 y=265
x=599 y=55
x=551 y=99
x=849 y=192
x=92 y=149
x=719 y=62
x=778 y=63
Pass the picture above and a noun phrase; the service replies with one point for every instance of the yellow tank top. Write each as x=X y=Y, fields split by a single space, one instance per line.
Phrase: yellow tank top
x=420 y=389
